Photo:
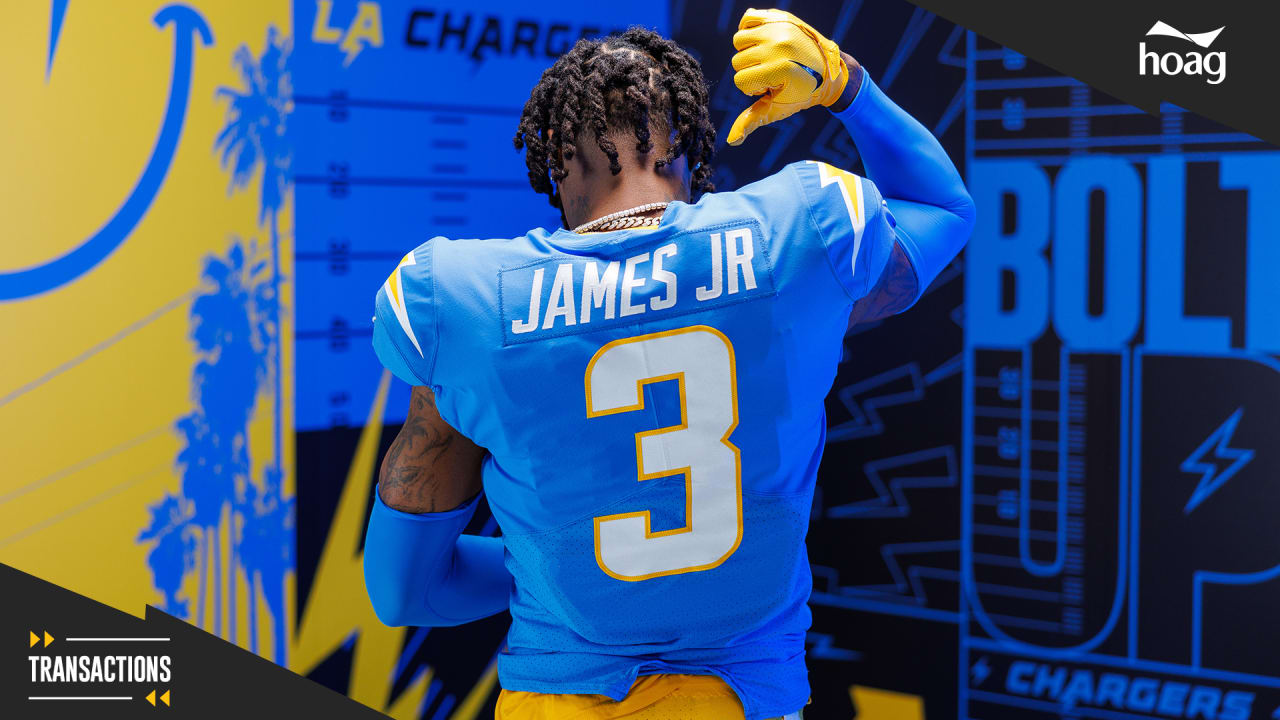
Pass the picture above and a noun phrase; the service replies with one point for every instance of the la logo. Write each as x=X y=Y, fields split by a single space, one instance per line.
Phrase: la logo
x=365 y=29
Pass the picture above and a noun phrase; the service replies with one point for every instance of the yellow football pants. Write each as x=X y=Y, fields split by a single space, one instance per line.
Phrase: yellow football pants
x=652 y=697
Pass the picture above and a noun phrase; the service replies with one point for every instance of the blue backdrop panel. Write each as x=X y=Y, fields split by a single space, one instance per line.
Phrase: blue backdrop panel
x=402 y=127
x=1046 y=489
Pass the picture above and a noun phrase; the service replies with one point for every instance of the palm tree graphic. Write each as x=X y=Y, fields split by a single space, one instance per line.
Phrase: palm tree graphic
x=235 y=330
x=256 y=138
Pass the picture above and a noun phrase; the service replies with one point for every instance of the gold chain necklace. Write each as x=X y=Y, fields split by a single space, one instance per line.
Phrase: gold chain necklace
x=623 y=218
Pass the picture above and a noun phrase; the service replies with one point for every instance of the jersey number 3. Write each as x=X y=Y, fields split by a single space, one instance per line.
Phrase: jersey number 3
x=700 y=359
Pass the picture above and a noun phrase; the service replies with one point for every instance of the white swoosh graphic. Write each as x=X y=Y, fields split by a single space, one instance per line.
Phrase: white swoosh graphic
x=1204 y=39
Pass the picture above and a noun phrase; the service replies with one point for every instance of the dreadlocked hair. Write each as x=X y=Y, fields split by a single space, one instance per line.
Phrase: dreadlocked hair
x=635 y=80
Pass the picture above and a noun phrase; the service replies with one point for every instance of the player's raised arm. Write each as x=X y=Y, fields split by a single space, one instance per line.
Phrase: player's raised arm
x=925 y=205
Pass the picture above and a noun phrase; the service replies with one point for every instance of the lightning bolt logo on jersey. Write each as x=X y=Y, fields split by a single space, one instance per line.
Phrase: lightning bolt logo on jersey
x=652 y=401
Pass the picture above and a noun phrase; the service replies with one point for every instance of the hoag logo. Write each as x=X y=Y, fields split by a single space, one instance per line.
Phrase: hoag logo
x=1211 y=64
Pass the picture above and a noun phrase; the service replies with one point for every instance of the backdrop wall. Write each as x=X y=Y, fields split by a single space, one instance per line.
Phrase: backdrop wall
x=1045 y=491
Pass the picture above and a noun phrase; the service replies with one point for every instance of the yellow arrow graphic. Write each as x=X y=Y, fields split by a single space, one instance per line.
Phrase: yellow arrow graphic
x=151 y=698
x=34 y=638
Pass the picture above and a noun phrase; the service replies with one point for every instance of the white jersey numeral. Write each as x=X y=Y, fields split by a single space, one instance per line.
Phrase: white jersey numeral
x=701 y=360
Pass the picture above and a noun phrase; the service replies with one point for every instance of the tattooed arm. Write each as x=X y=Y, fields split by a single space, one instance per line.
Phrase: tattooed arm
x=891 y=295
x=419 y=568
x=429 y=467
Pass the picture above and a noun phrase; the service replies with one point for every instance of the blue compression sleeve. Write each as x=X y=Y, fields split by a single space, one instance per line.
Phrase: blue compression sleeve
x=920 y=185
x=420 y=569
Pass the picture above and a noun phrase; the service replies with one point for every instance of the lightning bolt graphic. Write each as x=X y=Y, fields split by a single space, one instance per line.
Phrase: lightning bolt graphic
x=1211 y=479
x=898 y=386
x=823 y=647
x=909 y=585
x=980 y=671
x=352 y=47
x=891 y=501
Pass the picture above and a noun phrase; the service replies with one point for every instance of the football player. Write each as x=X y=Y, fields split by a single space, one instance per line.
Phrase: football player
x=640 y=392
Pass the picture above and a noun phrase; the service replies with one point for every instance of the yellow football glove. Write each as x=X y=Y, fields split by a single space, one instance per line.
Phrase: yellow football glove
x=778 y=56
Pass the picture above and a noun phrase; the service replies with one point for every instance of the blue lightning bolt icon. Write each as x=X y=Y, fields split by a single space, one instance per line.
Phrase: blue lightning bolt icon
x=1210 y=477
x=980 y=671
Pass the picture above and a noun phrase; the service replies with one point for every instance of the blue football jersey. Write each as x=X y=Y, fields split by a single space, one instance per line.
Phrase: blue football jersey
x=652 y=404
